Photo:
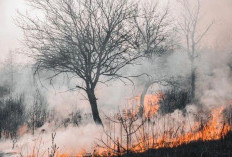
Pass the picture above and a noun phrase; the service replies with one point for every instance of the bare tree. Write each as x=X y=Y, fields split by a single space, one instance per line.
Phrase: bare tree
x=10 y=71
x=152 y=37
x=190 y=31
x=54 y=148
x=37 y=114
x=129 y=124
x=152 y=29
x=87 y=39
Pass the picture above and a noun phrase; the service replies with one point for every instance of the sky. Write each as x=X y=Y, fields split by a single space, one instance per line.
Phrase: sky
x=10 y=35
x=219 y=11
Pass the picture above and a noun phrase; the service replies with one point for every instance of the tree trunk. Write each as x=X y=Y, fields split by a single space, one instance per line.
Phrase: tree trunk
x=193 y=83
x=193 y=80
x=145 y=89
x=93 y=104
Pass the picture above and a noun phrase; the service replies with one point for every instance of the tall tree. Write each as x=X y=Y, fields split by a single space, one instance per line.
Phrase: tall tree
x=152 y=38
x=84 y=38
x=192 y=35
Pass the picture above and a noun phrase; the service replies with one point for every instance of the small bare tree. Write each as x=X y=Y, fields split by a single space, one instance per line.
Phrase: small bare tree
x=189 y=29
x=53 y=150
x=37 y=114
x=129 y=125
x=87 y=39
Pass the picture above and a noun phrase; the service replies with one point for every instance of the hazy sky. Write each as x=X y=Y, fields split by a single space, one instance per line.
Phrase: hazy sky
x=218 y=10
x=9 y=33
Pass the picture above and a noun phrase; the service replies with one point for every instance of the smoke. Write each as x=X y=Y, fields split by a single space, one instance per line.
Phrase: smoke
x=214 y=86
x=69 y=140
x=214 y=81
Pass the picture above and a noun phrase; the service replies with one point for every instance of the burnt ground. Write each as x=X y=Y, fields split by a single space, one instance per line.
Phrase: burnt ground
x=216 y=148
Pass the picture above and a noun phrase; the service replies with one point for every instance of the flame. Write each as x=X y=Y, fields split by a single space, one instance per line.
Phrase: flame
x=151 y=105
x=22 y=130
x=214 y=128
x=150 y=108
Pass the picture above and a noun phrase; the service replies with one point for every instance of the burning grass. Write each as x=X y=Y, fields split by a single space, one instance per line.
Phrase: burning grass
x=126 y=133
x=138 y=137
x=156 y=131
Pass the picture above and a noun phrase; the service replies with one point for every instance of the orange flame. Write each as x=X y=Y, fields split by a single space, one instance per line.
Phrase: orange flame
x=213 y=129
x=150 y=108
